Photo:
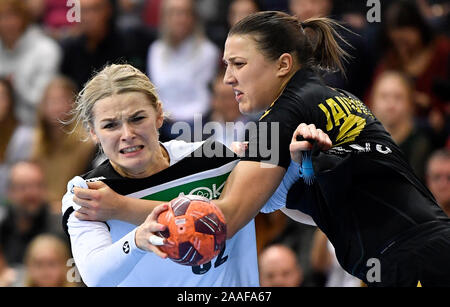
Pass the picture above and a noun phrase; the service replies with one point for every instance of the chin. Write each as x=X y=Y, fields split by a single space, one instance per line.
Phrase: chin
x=245 y=109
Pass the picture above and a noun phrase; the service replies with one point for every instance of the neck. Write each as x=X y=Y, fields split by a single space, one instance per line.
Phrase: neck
x=160 y=162
x=446 y=208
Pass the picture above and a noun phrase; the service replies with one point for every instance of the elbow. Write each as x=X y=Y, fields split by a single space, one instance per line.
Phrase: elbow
x=95 y=275
x=93 y=278
x=231 y=232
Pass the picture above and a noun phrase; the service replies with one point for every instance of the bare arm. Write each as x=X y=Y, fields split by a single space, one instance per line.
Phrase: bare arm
x=101 y=203
x=320 y=255
x=247 y=189
x=251 y=184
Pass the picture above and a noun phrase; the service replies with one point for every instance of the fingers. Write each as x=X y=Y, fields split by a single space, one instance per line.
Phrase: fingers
x=158 y=252
x=310 y=132
x=83 y=216
x=157 y=211
x=86 y=194
x=324 y=140
x=155 y=240
x=96 y=185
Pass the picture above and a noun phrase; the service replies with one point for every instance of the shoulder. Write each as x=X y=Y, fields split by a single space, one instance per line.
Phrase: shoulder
x=177 y=149
x=42 y=42
x=103 y=171
x=156 y=46
x=209 y=47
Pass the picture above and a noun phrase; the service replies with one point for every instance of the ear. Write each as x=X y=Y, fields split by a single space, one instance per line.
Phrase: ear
x=93 y=135
x=159 y=115
x=285 y=65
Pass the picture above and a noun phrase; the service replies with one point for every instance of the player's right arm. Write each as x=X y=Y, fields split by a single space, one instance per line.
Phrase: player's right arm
x=100 y=203
x=100 y=261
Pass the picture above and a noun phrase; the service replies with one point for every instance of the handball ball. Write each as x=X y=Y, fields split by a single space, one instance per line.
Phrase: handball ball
x=195 y=227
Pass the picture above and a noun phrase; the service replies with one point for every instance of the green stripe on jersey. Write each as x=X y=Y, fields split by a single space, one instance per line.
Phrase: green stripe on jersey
x=209 y=188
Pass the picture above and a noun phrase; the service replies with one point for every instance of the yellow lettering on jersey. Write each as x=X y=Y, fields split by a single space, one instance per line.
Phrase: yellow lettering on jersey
x=344 y=104
x=354 y=105
x=351 y=128
x=327 y=114
x=337 y=111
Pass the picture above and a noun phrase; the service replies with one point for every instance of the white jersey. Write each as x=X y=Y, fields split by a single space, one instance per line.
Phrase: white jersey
x=106 y=253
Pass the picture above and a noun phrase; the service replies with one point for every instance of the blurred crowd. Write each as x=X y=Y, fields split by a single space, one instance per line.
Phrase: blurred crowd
x=400 y=67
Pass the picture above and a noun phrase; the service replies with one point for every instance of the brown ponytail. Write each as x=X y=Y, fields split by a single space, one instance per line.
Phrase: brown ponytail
x=313 y=41
x=322 y=34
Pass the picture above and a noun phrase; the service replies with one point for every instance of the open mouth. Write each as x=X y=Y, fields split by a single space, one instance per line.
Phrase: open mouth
x=131 y=149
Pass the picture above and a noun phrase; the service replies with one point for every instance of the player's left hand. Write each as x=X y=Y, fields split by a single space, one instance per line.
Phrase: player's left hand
x=309 y=132
x=145 y=237
x=98 y=203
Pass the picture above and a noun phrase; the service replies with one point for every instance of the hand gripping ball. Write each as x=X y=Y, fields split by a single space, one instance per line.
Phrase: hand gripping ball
x=196 y=229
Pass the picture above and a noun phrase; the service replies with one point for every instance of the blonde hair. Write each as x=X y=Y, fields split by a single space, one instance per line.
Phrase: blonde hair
x=114 y=79
x=59 y=246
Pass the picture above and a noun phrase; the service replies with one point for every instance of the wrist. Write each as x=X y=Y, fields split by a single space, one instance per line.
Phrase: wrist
x=121 y=208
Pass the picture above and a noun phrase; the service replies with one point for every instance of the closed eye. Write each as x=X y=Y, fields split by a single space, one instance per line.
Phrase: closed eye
x=110 y=125
x=136 y=119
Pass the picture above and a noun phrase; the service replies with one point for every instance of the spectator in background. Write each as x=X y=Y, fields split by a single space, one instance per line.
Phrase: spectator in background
x=15 y=138
x=305 y=9
x=278 y=267
x=52 y=16
x=28 y=58
x=438 y=177
x=99 y=43
x=182 y=63
x=323 y=259
x=411 y=47
x=8 y=275
x=242 y=8
x=392 y=103
x=54 y=145
x=356 y=67
x=151 y=14
x=46 y=262
x=130 y=14
x=26 y=214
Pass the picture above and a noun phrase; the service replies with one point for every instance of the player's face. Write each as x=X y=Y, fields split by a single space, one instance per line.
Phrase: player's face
x=126 y=126
x=438 y=179
x=253 y=77
x=391 y=101
x=46 y=268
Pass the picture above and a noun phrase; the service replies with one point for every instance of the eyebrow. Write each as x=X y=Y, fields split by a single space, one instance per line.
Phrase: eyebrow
x=114 y=118
x=232 y=59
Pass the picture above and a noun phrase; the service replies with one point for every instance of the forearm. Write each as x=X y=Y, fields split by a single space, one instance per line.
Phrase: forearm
x=320 y=255
x=100 y=261
x=135 y=211
x=248 y=188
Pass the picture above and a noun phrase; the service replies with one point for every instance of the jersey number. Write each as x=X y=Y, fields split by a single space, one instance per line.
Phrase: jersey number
x=202 y=269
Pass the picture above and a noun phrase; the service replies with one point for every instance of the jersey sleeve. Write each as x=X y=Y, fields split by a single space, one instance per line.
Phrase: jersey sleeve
x=278 y=199
x=270 y=141
x=99 y=261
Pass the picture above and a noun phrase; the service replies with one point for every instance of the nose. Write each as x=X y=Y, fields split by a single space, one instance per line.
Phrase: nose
x=127 y=132
x=229 y=78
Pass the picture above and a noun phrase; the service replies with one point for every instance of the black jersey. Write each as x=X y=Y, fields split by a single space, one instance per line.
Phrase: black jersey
x=364 y=197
